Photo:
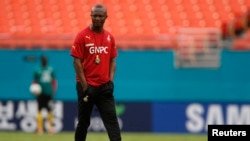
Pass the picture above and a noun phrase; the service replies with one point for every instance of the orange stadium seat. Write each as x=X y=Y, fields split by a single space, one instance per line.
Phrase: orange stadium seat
x=242 y=44
x=142 y=24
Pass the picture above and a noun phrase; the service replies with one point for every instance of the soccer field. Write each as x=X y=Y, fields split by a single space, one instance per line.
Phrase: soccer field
x=69 y=136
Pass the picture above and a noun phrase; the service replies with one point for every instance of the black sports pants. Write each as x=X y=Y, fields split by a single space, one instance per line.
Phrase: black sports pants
x=102 y=97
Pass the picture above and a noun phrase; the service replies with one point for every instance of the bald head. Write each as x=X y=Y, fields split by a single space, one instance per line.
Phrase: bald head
x=44 y=60
x=98 y=16
x=99 y=7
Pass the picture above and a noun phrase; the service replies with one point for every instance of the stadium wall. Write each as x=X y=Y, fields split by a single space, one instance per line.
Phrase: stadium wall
x=145 y=76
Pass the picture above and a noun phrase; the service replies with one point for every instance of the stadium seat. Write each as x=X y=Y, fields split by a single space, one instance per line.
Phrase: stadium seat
x=37 y=20
x=243 y=43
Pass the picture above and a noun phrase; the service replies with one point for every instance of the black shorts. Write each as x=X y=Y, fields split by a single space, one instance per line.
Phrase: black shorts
x=44 y=101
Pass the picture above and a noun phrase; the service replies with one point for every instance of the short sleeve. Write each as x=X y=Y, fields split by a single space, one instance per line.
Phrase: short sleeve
x=77 y=49
x=113 y=48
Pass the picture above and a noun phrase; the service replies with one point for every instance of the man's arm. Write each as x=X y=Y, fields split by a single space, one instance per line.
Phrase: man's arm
x=79 y=72
x=112 y=69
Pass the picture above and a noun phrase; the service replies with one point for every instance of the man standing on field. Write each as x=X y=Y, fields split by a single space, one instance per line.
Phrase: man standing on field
x=94 y=54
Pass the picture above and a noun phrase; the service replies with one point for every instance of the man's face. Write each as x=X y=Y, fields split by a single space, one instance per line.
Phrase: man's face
x=98 y=16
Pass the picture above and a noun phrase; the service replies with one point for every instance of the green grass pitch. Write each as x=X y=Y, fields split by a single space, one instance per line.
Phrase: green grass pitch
x=92 y=136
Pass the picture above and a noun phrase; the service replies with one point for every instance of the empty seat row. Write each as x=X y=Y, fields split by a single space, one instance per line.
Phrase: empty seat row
x=127 y=18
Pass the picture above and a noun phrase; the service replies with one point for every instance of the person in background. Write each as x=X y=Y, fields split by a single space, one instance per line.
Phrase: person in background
x=44 y=75
x=94 y=54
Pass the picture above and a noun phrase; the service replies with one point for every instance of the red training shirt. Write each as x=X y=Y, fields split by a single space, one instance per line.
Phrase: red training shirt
x=89 y=46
